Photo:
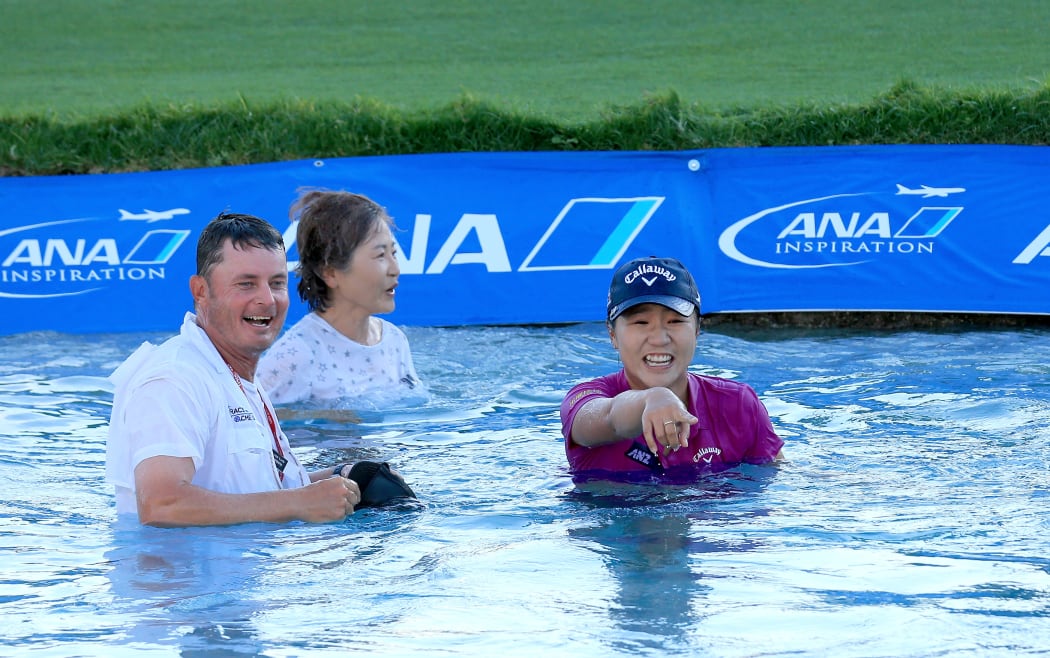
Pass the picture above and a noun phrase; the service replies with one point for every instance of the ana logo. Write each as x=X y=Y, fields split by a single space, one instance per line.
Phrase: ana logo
x=77 y=256
x=1040 y=246
x=838 y=230
x=587 y=234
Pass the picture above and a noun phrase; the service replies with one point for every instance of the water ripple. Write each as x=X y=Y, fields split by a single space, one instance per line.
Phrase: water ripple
x=908 y=519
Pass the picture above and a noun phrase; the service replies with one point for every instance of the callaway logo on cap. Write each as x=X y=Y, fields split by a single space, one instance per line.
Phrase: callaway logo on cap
x=653 y=280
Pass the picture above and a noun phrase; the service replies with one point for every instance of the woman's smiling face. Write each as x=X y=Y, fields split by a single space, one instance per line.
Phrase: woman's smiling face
x=368 y=282
x=656 y=345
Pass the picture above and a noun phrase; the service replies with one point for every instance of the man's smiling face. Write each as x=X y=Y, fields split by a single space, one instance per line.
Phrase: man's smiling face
x=242 y=303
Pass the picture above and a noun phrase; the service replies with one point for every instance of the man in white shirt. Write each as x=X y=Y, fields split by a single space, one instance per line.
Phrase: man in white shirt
x=192 y=439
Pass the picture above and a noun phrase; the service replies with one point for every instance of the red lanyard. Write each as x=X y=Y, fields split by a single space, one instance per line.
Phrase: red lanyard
x=279 y=452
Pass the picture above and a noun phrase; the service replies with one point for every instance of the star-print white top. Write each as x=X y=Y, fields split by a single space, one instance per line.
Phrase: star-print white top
x=313 y=362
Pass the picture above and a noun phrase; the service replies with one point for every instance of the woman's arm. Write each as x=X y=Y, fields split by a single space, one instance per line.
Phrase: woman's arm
x=655 y=413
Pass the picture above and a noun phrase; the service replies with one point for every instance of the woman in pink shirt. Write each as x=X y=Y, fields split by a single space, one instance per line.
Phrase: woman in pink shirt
x=654 y=415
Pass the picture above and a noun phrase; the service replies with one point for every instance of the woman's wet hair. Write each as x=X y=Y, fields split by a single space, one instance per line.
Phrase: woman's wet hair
x=332 y=224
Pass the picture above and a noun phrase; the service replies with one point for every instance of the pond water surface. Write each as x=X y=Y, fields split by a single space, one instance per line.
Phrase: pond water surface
x=911 y=517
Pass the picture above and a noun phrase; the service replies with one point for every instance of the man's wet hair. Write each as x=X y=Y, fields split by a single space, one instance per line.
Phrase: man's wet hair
x=243 y=231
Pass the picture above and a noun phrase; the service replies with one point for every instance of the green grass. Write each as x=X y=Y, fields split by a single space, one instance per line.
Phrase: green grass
x=115 y=85
x=556 y=59
x=151 y=138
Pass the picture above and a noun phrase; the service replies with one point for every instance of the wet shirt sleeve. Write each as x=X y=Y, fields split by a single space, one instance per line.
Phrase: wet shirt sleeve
x=580 y=395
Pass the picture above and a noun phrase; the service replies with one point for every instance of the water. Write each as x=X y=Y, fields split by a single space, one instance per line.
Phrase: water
x=912 y=517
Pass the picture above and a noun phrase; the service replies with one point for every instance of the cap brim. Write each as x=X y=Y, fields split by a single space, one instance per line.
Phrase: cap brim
x=676 y=304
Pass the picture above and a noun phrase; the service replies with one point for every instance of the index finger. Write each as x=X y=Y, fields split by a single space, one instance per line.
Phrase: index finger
x=649 y=434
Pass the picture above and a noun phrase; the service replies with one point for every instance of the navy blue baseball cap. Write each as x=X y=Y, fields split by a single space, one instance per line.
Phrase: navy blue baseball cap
x=652 y=280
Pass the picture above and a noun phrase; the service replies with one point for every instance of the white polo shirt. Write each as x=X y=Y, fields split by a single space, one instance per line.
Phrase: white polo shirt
x=180 y=399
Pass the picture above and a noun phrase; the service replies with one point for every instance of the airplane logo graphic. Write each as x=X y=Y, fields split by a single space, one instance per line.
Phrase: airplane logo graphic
x=925 y=191
x=151 y=216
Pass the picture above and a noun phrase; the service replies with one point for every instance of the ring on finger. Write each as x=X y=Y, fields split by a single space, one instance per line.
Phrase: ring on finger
x=669 y=422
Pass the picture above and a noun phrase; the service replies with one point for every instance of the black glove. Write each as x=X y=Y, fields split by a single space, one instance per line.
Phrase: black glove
x=379 y=485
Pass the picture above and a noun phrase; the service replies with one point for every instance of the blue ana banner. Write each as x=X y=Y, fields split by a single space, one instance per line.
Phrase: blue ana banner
x=523 y=238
